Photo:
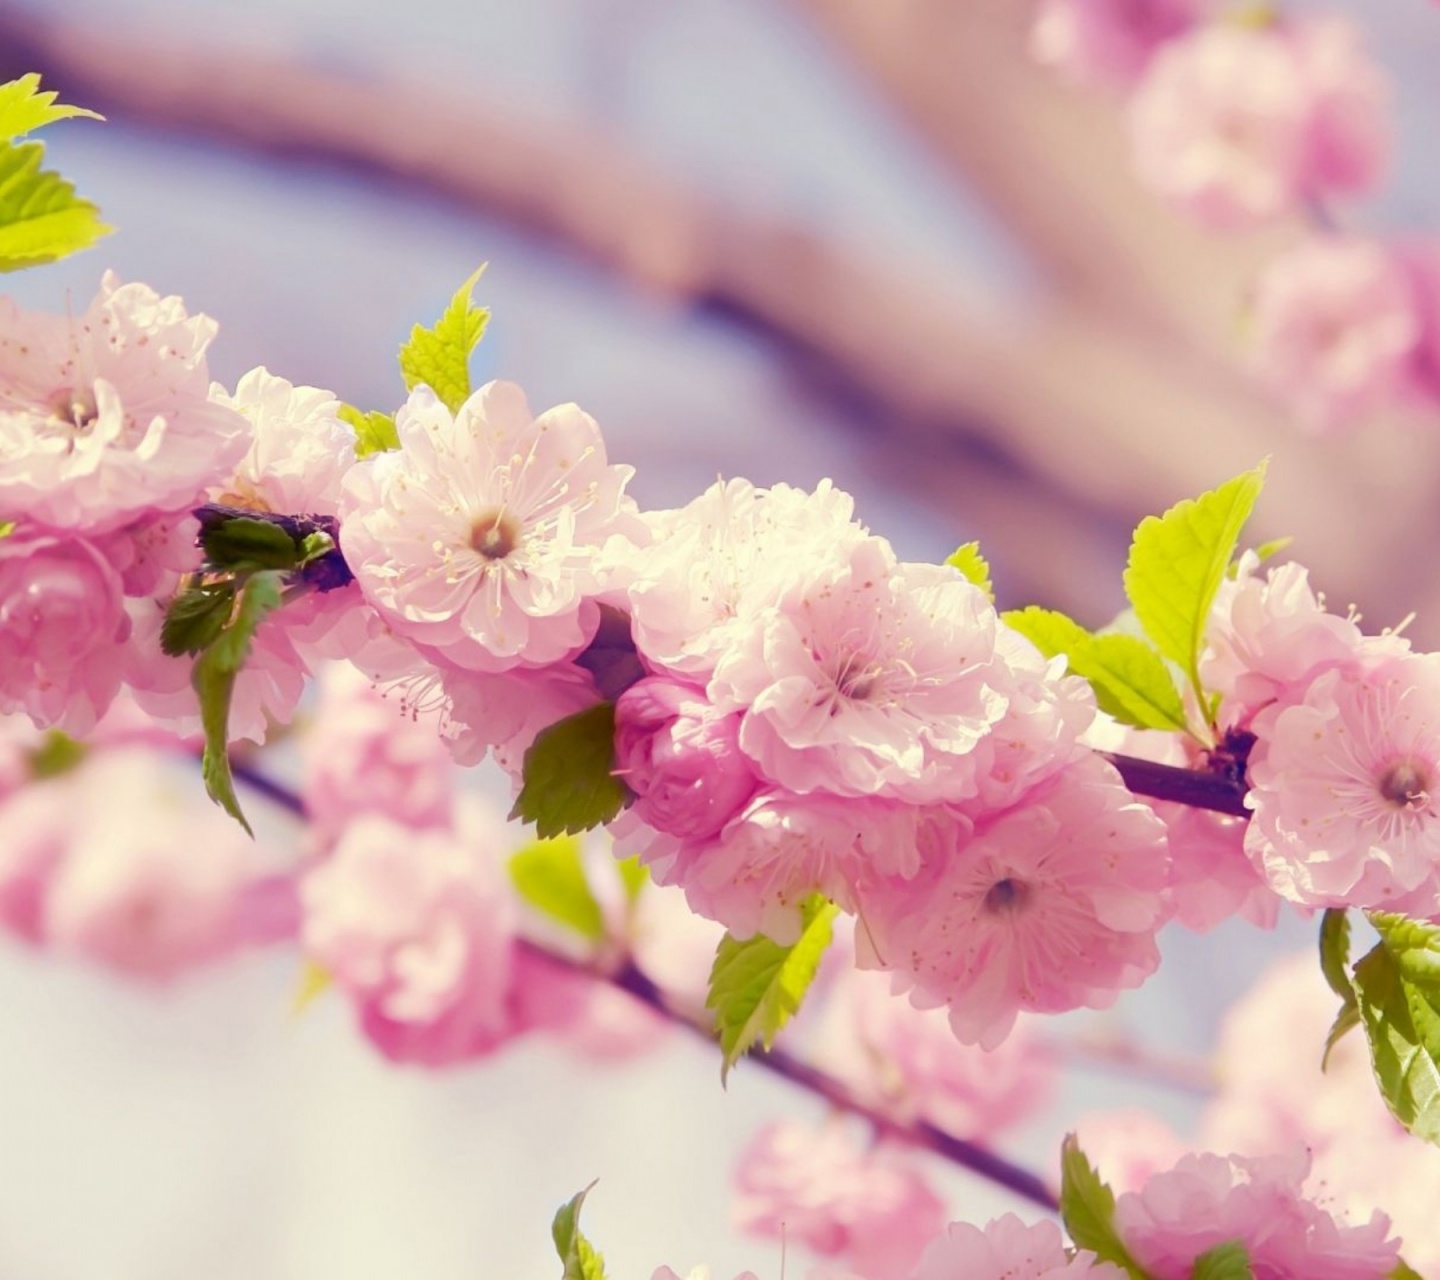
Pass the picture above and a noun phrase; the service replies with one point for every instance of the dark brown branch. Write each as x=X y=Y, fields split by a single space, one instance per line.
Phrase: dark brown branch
x=1191 y=787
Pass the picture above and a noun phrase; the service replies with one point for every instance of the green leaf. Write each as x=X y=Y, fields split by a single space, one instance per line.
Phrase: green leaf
x=756 y=986
x=1403 y=1030
x=195 y=617
x=1177 y=562
x=374 y=431
x=1335 y=965
x=41 y=217
x=214 y=681
x=1130 y=680
x=580 y=1260
x=7 y=527
x=1087 y=1207
x=57 y=753
x=242 y=544
x=568 y=786
x=24 y=107
x=1403 y=1271
x=1272 y=548
x=1228 y=1261
x=440 y=357
x=1335 y=952
x=973 y=565
x=550 y=876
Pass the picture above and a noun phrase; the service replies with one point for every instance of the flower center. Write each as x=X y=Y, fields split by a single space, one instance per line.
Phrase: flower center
x=1406 y=785
x=495 y=534
x=75 y=409
x=1006 y=897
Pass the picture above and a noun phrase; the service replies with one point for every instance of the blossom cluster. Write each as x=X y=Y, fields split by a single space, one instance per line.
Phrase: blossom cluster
x=1249 y=118
x=792 y=715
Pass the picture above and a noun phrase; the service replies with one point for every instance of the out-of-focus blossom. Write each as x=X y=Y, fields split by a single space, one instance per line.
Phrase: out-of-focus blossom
x=1334 y=329
x=418 y=927
x=909 y=1061
x=361 y=754
x=874 y=1209
x=1240 y=123
x=1109 y=41
x=1128 y=1147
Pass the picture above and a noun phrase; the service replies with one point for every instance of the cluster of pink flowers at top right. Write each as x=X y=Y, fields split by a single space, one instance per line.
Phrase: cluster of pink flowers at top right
x=1247 y=117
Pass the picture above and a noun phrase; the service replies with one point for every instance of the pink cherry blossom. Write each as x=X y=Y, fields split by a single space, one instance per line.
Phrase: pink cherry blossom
x=63 y=630
x=1269 y=634
x=909 y=1061
x=1334 y=329
x=154 y=880
x=482 y=536
x=817 y=1187
x=709 y=567
x=299 y=450
x=1363 y=1157
x=755 y=876
x=1343 y=784
x=1052 y=905
x=1208 y=1200
x=1109 y=41
x=1128 y=1147
x=106 y=416
x=362 y=754
x=418 y=927
x=1008 y=1249
x=681 y=758
x=1239 y=123
x=868 y=678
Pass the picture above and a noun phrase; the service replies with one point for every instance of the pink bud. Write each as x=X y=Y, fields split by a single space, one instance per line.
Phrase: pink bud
x=681 y=757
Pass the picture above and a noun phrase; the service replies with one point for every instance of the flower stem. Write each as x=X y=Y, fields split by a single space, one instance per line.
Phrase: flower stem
x=1193 y=787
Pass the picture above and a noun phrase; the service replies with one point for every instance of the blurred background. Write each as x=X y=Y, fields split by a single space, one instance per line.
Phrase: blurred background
x=784 y=239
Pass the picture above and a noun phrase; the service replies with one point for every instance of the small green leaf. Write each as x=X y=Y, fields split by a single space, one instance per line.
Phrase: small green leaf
x=973 y=565
x=440 y=357
x=24 y=107
x=41 y=217
x=1347 y=1018
x=242 y=544
x=568 y=786
x=7 y=527
x=1403 y=1271
x=1335 y=952
x=313 y=546
x=1267 y=550
x=374 y=431
x=757 y=986
x=195 y=617
x=1177 y=562
x=1130 y=680
x=1087 y=1207
x=214 y=681
x=550 y=876
x=57 y=753
x=1228 y=1261
x=1403 y=1030
x=580 y=1260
